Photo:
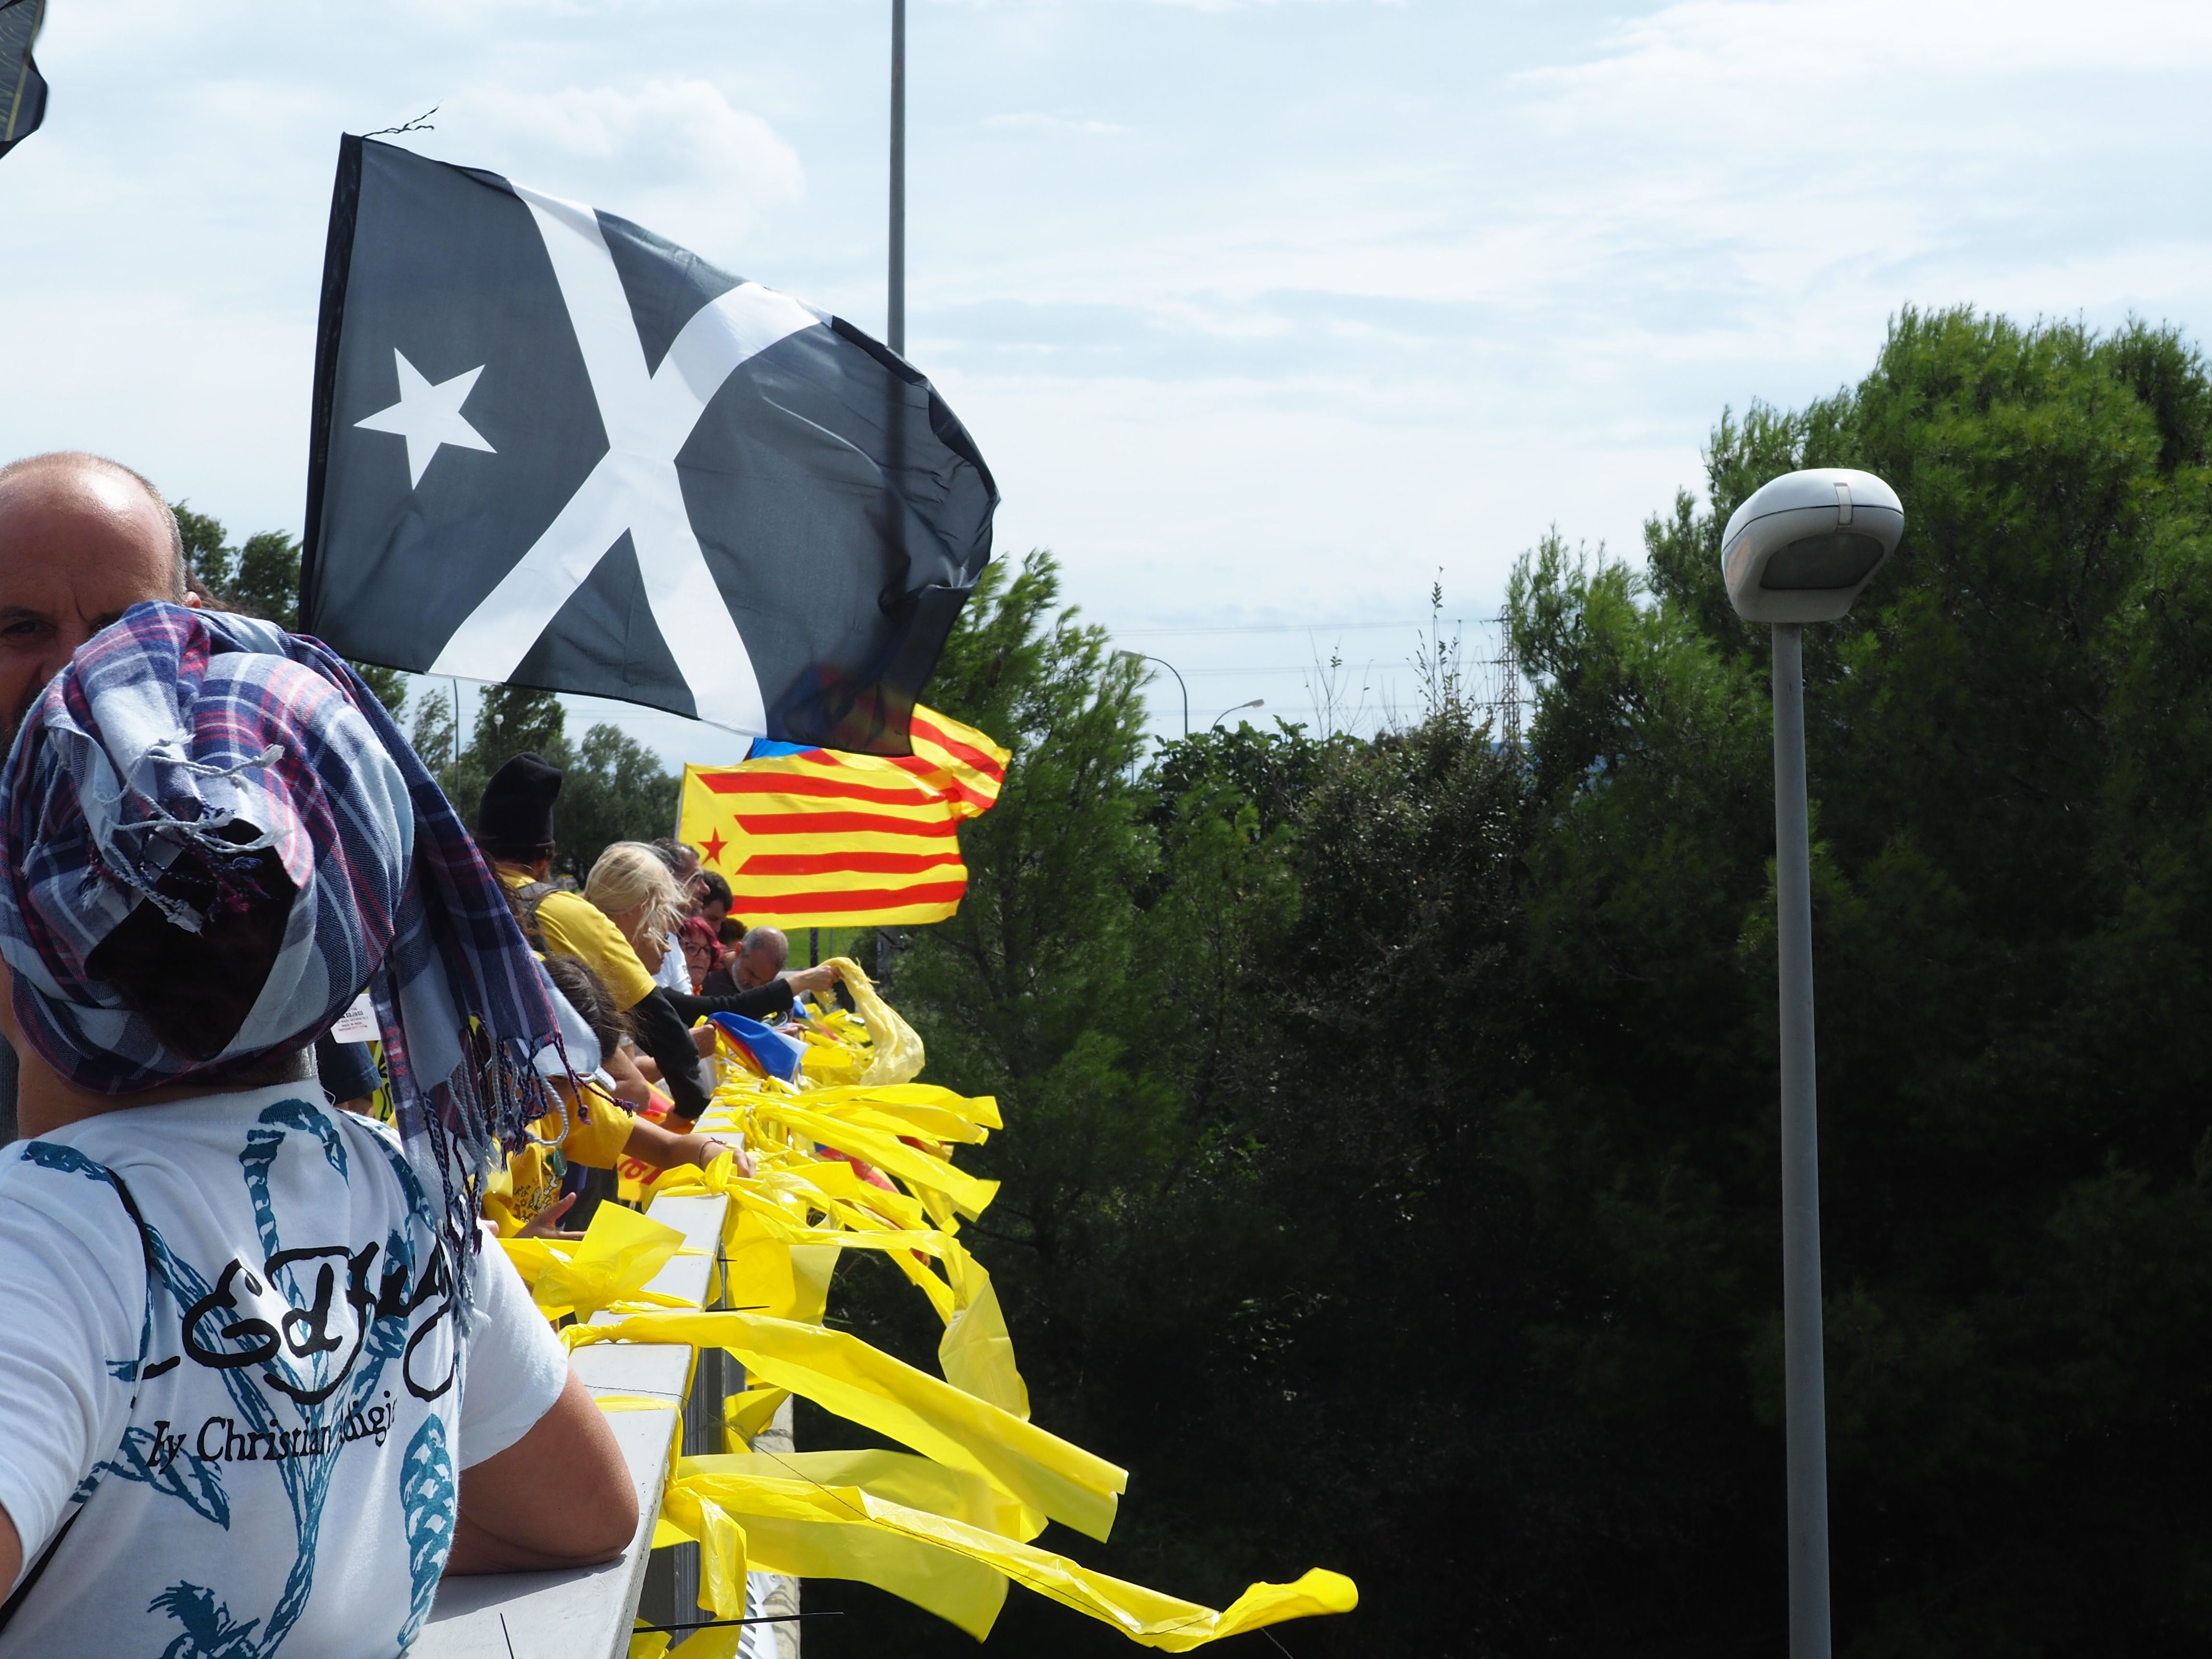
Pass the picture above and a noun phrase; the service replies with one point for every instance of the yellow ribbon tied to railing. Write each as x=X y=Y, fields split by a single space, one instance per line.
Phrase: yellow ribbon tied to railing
x=949 y=1565
x=608 y=1267
x=857 y=1155
x=843 y=1374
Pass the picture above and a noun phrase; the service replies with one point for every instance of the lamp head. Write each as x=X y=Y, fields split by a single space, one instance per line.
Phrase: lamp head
x=1805 y=544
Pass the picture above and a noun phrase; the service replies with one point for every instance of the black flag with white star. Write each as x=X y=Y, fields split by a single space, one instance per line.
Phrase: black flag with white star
x=23 y=88
x=552 y=449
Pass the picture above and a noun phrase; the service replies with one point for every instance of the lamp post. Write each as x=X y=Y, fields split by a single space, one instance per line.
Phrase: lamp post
x=895 y=308
x=1140 y=656
x=1799 y=552
x=1256 y=702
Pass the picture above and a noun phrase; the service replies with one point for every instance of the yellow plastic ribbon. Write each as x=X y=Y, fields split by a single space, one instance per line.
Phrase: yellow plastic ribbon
x=620 y=1252
x=747 y=1414
x=949 y=1525
x=970 y=1194
x=812 y=1513
x=924 y=1104
x=633 y=1402
x=700 y=1645
x=976 y=1354
x=842 y=1374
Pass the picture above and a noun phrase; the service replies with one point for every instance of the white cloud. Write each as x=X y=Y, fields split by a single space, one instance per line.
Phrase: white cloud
x=673 y=154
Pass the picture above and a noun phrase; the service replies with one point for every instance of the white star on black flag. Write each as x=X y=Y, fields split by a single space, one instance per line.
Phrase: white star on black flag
x=620 y=471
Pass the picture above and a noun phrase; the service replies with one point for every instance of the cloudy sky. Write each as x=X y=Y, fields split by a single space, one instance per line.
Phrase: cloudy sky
x=1266 y=315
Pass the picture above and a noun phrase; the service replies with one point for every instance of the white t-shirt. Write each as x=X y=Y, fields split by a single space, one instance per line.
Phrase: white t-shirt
x=261 y=1449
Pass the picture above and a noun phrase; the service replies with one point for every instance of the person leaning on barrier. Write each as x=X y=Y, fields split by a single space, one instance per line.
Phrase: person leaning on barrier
x=515 y=828
x=702 y=952
x=595 y=1130
x=683 y=862
x=262 y=1381
x=635 y=890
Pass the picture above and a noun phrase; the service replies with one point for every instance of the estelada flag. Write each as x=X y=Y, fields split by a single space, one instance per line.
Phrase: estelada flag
x=815 y=838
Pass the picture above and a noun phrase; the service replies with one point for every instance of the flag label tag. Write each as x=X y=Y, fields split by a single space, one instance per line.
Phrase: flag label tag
x=358 y=1022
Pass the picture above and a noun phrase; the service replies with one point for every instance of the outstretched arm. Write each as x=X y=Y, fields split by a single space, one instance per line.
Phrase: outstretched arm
x=661 y=1034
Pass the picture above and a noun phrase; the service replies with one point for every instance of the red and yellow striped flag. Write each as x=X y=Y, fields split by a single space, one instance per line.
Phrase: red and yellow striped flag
x=820 y=839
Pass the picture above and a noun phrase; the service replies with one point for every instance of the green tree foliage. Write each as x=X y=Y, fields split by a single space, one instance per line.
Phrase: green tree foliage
x=614 y=787
x=1391 y=1173
x=262 y=579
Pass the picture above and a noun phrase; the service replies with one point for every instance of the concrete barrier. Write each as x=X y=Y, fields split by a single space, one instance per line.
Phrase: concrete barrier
x=589 y=1613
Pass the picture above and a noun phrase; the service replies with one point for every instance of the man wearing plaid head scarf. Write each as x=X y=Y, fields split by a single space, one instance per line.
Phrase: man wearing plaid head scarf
x=272 y=1367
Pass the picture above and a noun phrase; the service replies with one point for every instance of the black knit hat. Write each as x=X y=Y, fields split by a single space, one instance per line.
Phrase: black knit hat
x=515 y=820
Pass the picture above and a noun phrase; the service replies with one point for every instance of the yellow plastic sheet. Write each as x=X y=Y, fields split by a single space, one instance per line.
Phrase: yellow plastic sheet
x=976 y=1354
x=895 y=1053
x=700 y=1645
x=746 y=1414
x=900 y=1477
x=843 y=1374
x=762 y=1272
x=981 y=1110
x=610 y=1265
x=698 y=1513
x=924 y=1107
x=965 y=1592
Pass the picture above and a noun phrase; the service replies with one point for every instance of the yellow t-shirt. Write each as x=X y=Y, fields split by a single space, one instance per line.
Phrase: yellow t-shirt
x=597 y=1134
x=575 y=927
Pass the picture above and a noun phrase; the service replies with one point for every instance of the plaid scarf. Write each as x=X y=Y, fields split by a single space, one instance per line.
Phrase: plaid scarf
x=179 y=731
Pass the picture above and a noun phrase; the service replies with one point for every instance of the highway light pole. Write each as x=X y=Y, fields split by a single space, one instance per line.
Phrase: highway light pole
x=1799 y=552
x=895 y=328
x=1256 y=702
x=1172 y=669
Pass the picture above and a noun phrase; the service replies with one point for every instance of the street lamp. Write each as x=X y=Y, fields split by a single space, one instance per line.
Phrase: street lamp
x=1256 y=702
x=1799 y=550
x=1171 y=669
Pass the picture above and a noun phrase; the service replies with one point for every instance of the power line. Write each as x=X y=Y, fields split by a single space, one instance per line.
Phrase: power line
x=1294 y=628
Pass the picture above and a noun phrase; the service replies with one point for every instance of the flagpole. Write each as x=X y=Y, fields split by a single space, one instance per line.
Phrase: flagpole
x=895 y=309
x=895 y=331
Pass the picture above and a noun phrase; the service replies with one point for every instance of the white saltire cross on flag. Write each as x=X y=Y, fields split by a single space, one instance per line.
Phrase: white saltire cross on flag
x=635 y=486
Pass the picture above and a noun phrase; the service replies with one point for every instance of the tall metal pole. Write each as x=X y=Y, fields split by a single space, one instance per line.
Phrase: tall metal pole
x=895 y=311
x=1805 y=1433
x=895 y=329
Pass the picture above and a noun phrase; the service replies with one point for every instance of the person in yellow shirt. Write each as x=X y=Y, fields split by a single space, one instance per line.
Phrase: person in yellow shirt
x=594 y=1129
x=515 y=831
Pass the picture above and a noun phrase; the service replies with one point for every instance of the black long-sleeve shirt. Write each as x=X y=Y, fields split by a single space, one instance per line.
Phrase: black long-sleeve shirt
x=770 y=1001
x=665 y=1034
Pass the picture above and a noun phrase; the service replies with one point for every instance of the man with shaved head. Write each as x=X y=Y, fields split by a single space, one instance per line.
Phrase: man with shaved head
x=82 y=539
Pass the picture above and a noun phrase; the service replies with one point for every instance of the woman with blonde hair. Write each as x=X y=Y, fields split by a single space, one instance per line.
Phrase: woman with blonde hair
x=631 y=884
x=635 y=889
